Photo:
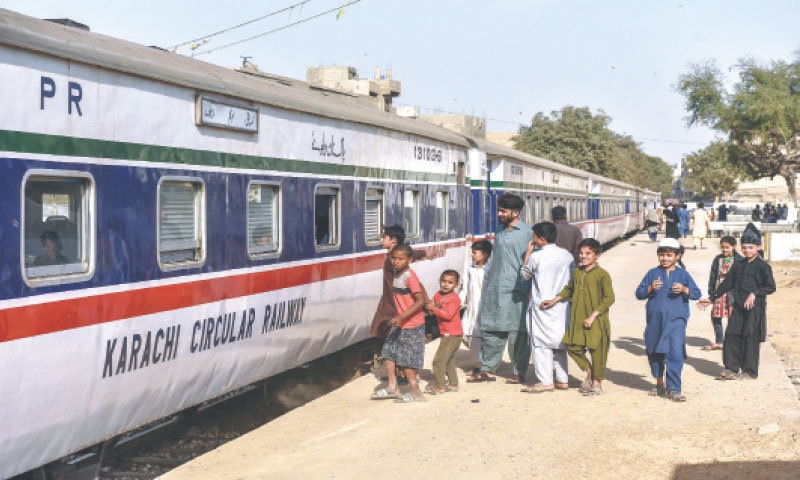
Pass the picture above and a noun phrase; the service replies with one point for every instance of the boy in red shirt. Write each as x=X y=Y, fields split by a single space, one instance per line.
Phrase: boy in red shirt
x=446 y=306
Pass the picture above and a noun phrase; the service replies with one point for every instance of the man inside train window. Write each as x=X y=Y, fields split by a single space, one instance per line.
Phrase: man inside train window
x=52 y=251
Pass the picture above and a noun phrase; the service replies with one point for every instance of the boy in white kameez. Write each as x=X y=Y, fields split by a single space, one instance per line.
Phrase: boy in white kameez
x=550 y=267
x=470 y=295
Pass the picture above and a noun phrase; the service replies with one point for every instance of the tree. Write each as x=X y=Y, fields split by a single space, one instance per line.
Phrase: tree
x=716 y=170
x=575 y=137
x=761 y=116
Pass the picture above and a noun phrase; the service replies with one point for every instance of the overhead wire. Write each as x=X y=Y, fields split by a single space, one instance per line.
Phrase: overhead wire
x=226 y=30
x=334 y=9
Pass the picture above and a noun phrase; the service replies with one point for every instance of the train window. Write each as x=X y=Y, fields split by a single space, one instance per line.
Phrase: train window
x=440 y=215
x=373 y=216
x=181 y=223
x=263 y=218
x=530 y=218
x=411 y=213
x=537 y=212
x=58 y=221
x=326 y=217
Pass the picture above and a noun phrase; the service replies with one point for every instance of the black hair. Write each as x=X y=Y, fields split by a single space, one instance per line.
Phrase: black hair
x=52 y=236
x=592 y=244
x=510 y=201
x=405 y=248
x=546 y=230
x=728 y=239
x=395 y=231
x=678 y=251
x=558 y=213
x=484 y=246
x=450 y=272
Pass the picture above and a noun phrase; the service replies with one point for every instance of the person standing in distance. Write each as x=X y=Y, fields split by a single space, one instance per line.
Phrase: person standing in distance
x=505 y=296
x=569 y=236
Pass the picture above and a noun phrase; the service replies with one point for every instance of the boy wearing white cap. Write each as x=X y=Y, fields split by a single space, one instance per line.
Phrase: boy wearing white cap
x=667 y=290
x=750 y=279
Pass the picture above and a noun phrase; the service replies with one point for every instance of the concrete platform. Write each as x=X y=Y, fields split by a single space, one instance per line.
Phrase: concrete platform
x=727 y=429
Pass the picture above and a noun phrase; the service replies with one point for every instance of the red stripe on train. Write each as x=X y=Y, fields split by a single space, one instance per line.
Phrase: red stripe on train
x=41 y=319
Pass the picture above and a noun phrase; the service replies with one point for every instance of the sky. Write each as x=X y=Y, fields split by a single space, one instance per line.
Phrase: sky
x=503 y=60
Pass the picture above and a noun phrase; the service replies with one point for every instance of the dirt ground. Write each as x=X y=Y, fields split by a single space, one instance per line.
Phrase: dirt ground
x=726 y=430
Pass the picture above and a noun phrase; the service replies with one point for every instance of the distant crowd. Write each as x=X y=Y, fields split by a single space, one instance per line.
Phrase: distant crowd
x=539 y=294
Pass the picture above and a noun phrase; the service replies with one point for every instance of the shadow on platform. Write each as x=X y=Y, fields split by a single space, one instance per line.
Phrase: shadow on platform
x=756 y=470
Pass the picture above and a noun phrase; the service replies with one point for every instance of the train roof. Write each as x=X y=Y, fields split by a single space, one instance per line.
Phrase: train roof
x=110 y=53
x=49 y=38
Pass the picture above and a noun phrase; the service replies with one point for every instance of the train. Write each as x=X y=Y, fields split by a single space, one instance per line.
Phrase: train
x=172 y=230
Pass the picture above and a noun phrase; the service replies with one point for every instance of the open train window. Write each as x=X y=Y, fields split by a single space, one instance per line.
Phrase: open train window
x=263 y=219
x=411 y=213
x=181 y=223
x=326 y=217
x=58 y=226
x=440 y=215
x=373 y=216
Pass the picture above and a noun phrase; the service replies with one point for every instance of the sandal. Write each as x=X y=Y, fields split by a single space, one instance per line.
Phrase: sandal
x=514 y=380
x=727 y=375
x=409 y=398
x=451 y=388
x=384 y=394
x=712 y=346
x=538 y=388
x=586 y=385
x=658 y=391
x=481 y=377
x=431 y=389
x=592 y=392
x=676 y=397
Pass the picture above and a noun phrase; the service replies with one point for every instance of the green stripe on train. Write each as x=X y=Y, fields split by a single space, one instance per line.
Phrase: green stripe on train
x=31 y=143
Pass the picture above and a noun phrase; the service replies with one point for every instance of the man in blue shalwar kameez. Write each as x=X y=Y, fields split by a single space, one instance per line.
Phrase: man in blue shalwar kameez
x=667 y=290
x=505 y=296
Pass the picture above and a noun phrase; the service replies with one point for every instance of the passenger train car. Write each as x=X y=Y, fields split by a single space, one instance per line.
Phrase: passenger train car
x=171 y=231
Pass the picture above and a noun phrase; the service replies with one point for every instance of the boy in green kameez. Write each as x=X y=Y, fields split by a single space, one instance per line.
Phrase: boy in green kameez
x=589 y=328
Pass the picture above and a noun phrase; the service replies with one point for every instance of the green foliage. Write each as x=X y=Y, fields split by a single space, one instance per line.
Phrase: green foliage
x=715 y=170
x=575 y=137
x=761 y=115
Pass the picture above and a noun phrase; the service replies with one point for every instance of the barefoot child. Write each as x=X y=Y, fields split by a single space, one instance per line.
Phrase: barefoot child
x=589 y=328
x=471 y=299
x=446 y=308
x=722 y=306
x=667 y=290
x=750 y=279
x=405 y=344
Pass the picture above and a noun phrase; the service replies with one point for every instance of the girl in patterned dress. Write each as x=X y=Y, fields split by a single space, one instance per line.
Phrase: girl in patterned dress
x=722 y=306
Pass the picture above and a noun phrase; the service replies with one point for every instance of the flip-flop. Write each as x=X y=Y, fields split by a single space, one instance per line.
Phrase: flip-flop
x=430 y=389
x=593 y=392
x=481 y=377
x=384 y=394
x=727 y=375
x=408 y=398
x=712 y=346
x=676 y=397
x=586 y=385
x=538 y=388
x=657 y=391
